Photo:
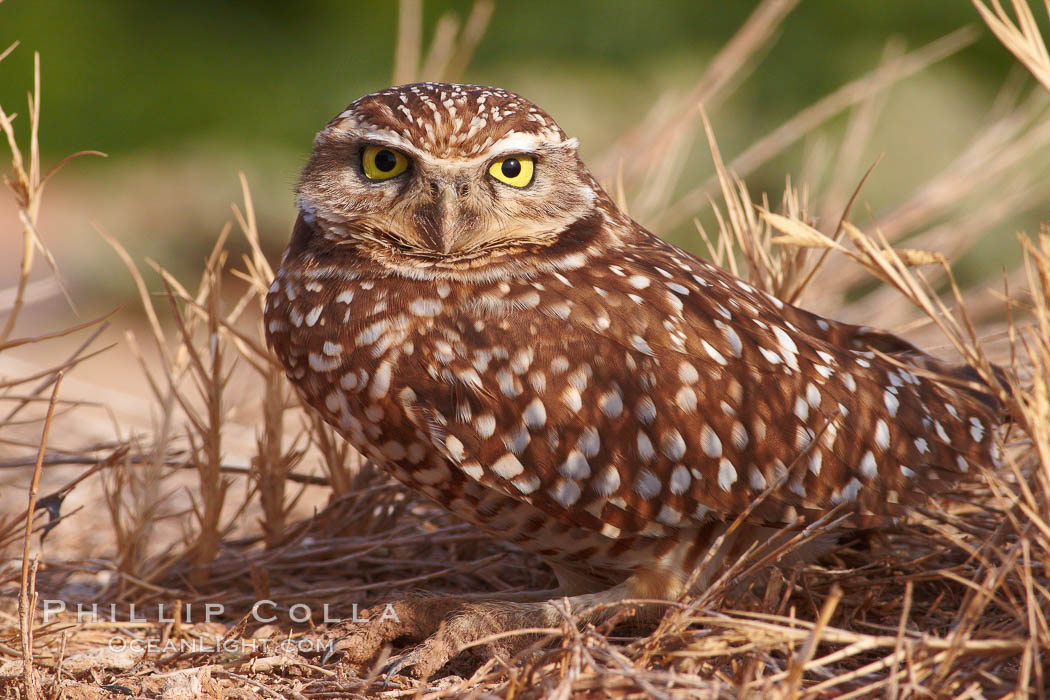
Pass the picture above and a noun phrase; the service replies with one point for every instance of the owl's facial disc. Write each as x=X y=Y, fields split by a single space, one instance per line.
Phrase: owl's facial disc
x=435 y=206
x=436 y=173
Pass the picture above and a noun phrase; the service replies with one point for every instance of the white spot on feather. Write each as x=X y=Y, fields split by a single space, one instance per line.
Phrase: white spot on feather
x=571 y=398
x=680 y=480
x=892 y=403
x=535 y=415
x=607 y=481
x=485 y=425
x=426 y=307
x=673 y=445
x=726 y=474
x=507 y=466
x=756 y=479
x=709 y=442
x=639 y=344
x=611 y=404
x=454 y=447
x=687 y=373
x=647 y=485
x=686 y=399
x=739 y=436
x=575 y=466
x=645 y=446
x=868 y=467
x=714 y=354
x=976 y=429
x=566 y=492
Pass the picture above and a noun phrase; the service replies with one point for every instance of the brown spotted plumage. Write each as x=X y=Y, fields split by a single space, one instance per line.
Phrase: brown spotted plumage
x=542 y=366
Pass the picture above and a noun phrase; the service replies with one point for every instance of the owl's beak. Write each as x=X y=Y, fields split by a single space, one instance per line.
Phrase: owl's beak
x=448 y=211
x=442 y=220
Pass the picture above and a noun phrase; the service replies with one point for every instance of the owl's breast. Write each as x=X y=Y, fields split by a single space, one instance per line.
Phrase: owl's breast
x=400 y=368
x=349 y=347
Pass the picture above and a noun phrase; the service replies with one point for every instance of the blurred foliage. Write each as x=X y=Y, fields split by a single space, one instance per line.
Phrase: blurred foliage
x=183 y=95
x=124 y=75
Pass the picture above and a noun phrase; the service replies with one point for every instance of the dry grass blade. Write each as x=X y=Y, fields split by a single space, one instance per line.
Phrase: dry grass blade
x=210 y=376
x=409 y=41
x=56 y=334
x=642 y=151
x=27 y=598
x=450 y=48
x=794 y=679
x=273 y=463
x=473 y=30
x=798 y=233
x=1021 y=36
x=791 y=131
x=27 y=185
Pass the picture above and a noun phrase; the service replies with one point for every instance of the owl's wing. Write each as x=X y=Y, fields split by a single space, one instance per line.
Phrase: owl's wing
x=850 y=425
x=658 y=390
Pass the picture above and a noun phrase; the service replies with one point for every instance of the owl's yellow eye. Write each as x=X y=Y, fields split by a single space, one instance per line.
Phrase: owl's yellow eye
x=382 y=163
x=513 y=170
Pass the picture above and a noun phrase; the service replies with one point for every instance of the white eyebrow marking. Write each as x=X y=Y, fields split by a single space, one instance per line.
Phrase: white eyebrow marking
x=514 y=142
x=521 y=142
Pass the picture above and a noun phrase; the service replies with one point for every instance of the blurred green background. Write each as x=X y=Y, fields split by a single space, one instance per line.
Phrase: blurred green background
x=123 y=76
x=183 y=95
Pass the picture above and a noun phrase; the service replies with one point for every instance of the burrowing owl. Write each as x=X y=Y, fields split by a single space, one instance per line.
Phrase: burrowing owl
x=463 y=301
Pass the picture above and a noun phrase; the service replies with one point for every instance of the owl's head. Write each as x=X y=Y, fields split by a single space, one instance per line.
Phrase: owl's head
x=435 y=173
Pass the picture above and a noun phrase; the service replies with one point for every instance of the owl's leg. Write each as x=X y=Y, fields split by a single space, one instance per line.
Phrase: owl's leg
x=447 y=626
x=412 y=620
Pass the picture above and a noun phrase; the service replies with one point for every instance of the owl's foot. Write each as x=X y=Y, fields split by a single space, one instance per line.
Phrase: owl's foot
x=361 y=639
x=444 y=627
x=462 y=629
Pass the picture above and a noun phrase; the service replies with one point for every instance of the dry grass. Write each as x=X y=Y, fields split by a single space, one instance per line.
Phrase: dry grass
x=952 y=602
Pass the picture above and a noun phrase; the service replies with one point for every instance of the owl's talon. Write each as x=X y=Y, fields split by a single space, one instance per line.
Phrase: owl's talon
x=394 y=665
x=330 y=651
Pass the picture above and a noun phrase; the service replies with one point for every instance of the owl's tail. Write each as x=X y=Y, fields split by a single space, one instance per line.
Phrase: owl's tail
x=964 y=378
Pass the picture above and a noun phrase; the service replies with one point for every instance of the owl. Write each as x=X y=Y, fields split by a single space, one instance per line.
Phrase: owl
x=464 y=303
